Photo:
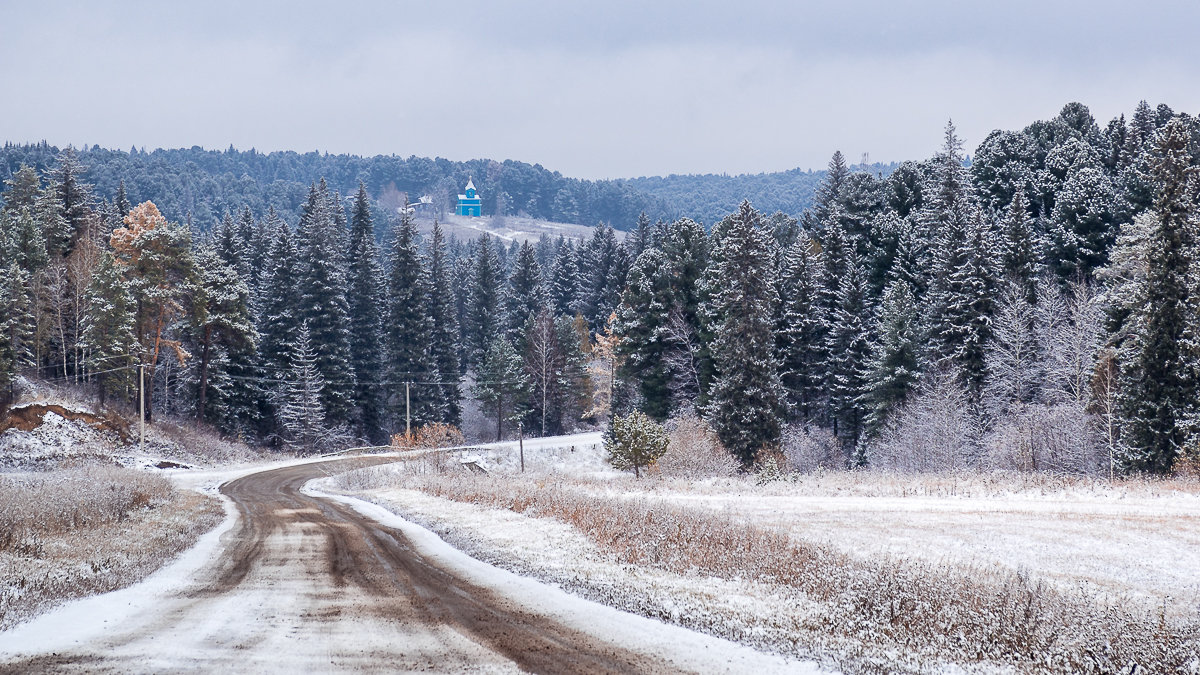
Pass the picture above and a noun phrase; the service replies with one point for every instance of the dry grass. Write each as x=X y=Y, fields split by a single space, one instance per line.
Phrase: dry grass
x=939 y=610
x=41 y=505
x=70 y=534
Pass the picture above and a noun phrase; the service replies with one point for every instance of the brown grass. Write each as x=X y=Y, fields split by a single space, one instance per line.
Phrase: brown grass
x=943 y=611
x=70 y=534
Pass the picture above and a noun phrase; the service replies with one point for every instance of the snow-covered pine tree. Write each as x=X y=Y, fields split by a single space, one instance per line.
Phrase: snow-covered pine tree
x=829 y=195
x=642 y=236
x=483 y=302
x=564 y=281
x=154 y=257
x=1156 y=390
x=525 y=294
x=1084 y=222
x=1019 y=251
x=596 y=259
x=279 y=315
x=443 y=344
x=799 y=336
x=893 y=370
x=73 y=198
x=302 y=415
x=408 y=329
x=502 y=385
x=16 y=326
x=745 y=398
x=364 y=298
x=848 y=350
x=642 y=326
x=322 y=284
x=221 y=330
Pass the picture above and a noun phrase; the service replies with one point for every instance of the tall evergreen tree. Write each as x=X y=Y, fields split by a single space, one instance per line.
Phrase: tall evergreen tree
x=407 y=327
x=1156 y=390
x=893 y=370
x=525 y=295
x=799 y=335
x=848 y=351
x=222 y=328
x=483 y=311
x=443 y=344
x=279 y=318
x=642 y=325
x=363 y=299
x=745 y=400
x=564 y=281
x=502 y=385
x=322 y=284
x=302 y=415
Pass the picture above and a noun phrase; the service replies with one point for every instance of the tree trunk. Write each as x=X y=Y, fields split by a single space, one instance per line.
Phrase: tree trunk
x=204 y=373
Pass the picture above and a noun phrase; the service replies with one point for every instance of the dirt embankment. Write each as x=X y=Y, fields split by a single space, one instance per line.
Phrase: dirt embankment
x=30 y=416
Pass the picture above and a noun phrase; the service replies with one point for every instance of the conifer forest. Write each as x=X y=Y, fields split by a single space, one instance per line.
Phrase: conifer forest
x=1033 y=305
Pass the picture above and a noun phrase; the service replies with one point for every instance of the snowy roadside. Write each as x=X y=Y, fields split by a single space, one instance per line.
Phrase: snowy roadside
x=765 y=565
x=690 y=650
x=763 y=616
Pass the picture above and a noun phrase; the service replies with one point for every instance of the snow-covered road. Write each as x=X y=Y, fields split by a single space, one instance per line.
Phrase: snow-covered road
x=297 y=582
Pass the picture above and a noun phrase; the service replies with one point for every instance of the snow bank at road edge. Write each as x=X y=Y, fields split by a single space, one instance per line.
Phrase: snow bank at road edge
x=688 y=649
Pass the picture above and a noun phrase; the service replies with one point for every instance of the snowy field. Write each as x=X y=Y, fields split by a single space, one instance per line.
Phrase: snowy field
x=1126 y=550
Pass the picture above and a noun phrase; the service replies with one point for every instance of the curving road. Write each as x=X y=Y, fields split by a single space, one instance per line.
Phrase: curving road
x=305 y=584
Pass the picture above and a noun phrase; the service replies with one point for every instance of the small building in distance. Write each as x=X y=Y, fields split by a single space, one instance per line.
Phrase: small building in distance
x=470 y=203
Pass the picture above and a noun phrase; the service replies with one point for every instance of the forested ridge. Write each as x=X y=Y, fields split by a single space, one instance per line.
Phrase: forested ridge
x=1037 y=308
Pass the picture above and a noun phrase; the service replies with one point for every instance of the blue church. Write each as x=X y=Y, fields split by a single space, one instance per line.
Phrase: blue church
x=470 y=204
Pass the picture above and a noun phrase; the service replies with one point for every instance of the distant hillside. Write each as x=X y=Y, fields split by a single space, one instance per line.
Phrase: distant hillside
x=710 y=197
x=201 y=185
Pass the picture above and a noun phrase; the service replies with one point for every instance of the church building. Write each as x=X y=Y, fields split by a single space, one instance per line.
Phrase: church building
x=470 y=204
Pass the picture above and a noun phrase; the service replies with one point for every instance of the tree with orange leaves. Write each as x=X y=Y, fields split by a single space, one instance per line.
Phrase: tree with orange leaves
x=156 y=263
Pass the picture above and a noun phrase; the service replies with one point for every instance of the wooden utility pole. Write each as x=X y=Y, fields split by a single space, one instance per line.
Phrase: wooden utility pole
x=521 y=443
x=407 y=415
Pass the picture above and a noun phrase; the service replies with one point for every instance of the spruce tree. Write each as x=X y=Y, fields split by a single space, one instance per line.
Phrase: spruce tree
x=745 y=400
x=302 y=415
x=893 y=370
x=322 y=284
x=363 y=299
x=525 y=295
x=1156 y=389
x=73 y=198
x=221 y=326
x=16 y=326
x=407 y=328
x=564 y=281
x=800 y=334
x=1018 y=256
x=502 y=385
x=848 y=350
x=483 y=298
x=641 y=324
x=443 y=344
x=279 y=318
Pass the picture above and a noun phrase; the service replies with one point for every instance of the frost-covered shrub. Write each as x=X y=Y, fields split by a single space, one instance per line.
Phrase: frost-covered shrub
x=809 y=448
x=57 y=501
x=634 y=441
x=935 y=431
x=694 y=451
x=1059 y=438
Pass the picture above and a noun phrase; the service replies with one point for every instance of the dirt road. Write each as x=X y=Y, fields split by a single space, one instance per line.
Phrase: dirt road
x=307 y=584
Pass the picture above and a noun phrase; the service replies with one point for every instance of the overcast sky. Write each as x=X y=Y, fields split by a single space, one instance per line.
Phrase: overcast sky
x=597 y=89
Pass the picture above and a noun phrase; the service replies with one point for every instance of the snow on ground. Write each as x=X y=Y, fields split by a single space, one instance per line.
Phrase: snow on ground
x=575 y=455
x=689 y=650
x=55 y=441
x=1138 y=547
